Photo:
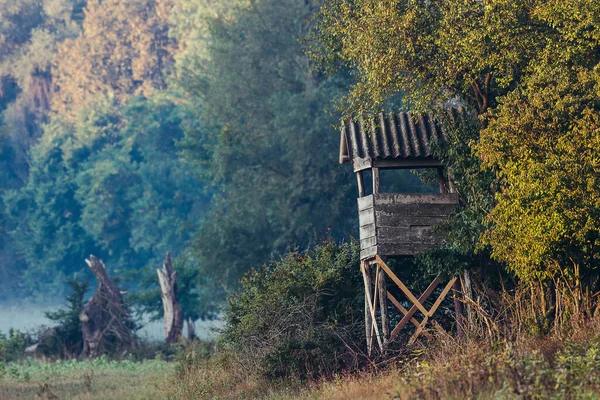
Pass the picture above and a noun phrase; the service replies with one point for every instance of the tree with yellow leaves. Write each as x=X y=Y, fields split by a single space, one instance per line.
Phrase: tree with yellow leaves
x=529 y=72
x=124 y=50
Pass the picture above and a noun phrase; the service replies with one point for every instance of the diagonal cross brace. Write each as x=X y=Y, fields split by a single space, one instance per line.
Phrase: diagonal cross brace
x=432 y=311
x=406 y=312
x=417 y=303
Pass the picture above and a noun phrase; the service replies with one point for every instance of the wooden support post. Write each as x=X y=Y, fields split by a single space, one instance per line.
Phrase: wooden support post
x=375 y=180
x=459 y=310
x=442 y=181
x=383 y=309
x=374 y=310
x=361 y=184
x=364 y=267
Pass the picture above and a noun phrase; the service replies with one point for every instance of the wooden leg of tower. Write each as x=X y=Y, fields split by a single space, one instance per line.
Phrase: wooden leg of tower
x=459 y=310
x=383 y=309
x=364 y=267
x=371 y=302
x=374 y=310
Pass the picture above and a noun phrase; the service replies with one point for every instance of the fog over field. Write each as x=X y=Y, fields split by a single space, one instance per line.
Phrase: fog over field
x=30 y=318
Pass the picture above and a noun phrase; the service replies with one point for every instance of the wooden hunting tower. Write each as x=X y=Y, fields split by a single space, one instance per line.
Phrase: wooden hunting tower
x=394 y=224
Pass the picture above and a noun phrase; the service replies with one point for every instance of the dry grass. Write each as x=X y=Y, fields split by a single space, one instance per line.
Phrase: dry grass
x=510 y=352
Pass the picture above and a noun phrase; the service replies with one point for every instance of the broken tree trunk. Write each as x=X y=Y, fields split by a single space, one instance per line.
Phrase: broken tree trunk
x=167 y=279
x=191 y=329
x=105 y=321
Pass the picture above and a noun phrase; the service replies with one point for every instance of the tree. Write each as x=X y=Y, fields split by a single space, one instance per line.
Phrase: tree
x=30 y=31
x=123 y=51
x=111 y=183
x=527 y=70
x=272 y=154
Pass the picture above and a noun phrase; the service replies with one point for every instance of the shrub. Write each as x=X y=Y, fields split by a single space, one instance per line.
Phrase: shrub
x=12 y=346
x=66 y=339
x=301 y=316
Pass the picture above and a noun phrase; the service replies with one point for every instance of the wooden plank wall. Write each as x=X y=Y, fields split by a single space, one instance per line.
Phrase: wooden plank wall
x=366 y=221
x=402 y=224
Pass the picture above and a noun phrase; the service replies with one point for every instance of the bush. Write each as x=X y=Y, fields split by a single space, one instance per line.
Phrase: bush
x=66 y=339
x=302 y=316
x=13 y=345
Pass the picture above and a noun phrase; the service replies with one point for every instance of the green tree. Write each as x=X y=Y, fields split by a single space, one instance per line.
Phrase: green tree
x=30 y=31
x=112 y=185
x=272 y=155
x=528 y=69
x=123 y=51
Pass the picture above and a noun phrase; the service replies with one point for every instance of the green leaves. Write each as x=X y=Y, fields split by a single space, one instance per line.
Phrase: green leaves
x=272 y=154
x=529 y=70
x=111 y=184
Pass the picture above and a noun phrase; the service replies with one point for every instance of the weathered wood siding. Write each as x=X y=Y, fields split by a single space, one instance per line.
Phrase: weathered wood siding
x=402 y=224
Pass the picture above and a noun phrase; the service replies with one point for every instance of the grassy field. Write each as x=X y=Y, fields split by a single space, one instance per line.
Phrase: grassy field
x=557 y=366
x=97 y=379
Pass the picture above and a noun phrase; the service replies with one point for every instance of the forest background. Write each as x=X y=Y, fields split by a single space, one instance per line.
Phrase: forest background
x=130 y=129
x=208 y=128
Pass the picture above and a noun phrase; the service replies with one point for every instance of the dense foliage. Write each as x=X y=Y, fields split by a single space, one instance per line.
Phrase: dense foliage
x=272 y=158
x=528 y=71
x=300 y=316
x=112 y=185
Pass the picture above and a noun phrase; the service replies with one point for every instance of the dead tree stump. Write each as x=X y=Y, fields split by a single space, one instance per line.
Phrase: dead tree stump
x=105 y=321
x=167 y=278
x=191 y=329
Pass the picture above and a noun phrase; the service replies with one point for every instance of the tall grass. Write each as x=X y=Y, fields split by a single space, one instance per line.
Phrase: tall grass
x=520 y=345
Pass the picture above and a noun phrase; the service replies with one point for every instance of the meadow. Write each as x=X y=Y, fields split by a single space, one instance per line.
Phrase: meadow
x=564 y=365
x=89 y=379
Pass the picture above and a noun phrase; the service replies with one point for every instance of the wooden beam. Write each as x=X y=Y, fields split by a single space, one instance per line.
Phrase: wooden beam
x=401 y=285
x=407 y=163
x=383 y=309
x=432 y=311
x=373 y=325
x=441 y=297
x=361 y=184
x=418 y=331
x=432 y=286
x=374 y=311
x=442 y=180
x=405 y=312
x=368 y=321
x=375 y=180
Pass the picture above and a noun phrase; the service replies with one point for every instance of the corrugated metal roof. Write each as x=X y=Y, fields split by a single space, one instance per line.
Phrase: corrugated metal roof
x=390 y=136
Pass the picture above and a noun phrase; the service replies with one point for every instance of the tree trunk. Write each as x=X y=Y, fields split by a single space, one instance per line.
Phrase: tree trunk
x=468 y=291
x=167 y=279
x=191 y=329
x=105 y=320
